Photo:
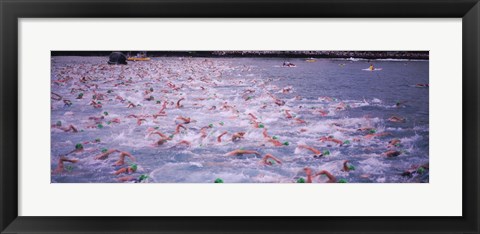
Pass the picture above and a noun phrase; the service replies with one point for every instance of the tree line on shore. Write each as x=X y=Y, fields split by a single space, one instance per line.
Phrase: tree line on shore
x=270 y=53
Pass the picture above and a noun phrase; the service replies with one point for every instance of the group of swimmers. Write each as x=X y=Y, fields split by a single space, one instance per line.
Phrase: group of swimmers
x=174 y=96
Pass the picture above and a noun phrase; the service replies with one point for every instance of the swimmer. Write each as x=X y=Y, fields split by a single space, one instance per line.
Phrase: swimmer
x=399 y=104
x=162 y=140
x=127 y=170
x=381 y=134
x=178 y=103
x=253 y=116
x=300 y=121
x=177 y=130
x=104 y=155
x=269 y=160
x=121 y=159
x=331 y=139
x=415 y=169
x=392 y=153
x=70 y=127
x=61 y=160
x=219 y=138
x=316 y=153
x=308 y=172
x=240 y=152
x=185 y=120
x=134 y=179
x=55 y=96
x=331 y=178
x=367 y=129
x=203 y=131
x=394 y=143
x=397 y=119
x=287 y=114
x=347 y=166
x=67 y=103
x=184 y=142
x=237 y=136
x=272 y=140
x=422 y=85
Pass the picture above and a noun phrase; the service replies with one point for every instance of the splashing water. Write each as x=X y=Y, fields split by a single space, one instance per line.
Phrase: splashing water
x=121 y=108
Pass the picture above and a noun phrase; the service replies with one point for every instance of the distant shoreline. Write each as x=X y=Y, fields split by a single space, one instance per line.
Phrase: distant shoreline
x=417 y=55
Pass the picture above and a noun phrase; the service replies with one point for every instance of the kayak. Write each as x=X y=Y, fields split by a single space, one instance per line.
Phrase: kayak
x=290 y=66
x=375 y=69
x=310 y=60
x=138 y=59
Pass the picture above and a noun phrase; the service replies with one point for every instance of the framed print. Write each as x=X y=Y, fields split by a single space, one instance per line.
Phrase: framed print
x=225 y=116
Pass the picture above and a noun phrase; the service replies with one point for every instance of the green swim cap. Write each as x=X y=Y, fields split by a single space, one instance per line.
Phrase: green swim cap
x=342 y=181
x=133 y=167
x=99 y=103
x=142 y=177
x=271 y=161
x=80 y=94
x=301 y=180
x=158 y=102
x=274 y=137
x=156 y=127
x=100 y=126
x=351 y=167
x=218 y=180
x=421 y=170
x=97 y=140
x=221 y=123
x=249 y=97
x=69 y=167
x=59 y=123
x=104 y=150
x=78 y=146
x=286 y=143
x=105 y=113
x=171 y=136
x=151 y=89
x=261 y=126
x=326 y=152
x=346 y=142
x=210 y=125
x=109 y=122
x=373 y=131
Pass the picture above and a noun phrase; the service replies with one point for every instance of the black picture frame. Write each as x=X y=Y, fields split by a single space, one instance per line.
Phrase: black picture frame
x=11 y=11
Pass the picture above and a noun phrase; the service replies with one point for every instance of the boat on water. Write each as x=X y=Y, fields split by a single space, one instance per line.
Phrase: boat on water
x=142 y=56
x=310 y=60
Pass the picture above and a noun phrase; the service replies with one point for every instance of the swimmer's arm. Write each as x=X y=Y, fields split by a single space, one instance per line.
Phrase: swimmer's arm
x=331 y=178
x=267 y=156
x=124 y=153
x=219 y=138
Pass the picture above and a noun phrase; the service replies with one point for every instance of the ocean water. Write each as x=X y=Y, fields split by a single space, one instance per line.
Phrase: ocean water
x=335 y=97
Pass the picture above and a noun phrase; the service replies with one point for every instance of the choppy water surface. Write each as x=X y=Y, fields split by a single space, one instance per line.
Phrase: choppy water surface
x=334 y=97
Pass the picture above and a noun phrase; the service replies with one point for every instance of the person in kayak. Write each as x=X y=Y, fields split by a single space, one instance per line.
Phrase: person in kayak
x=371 y=68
